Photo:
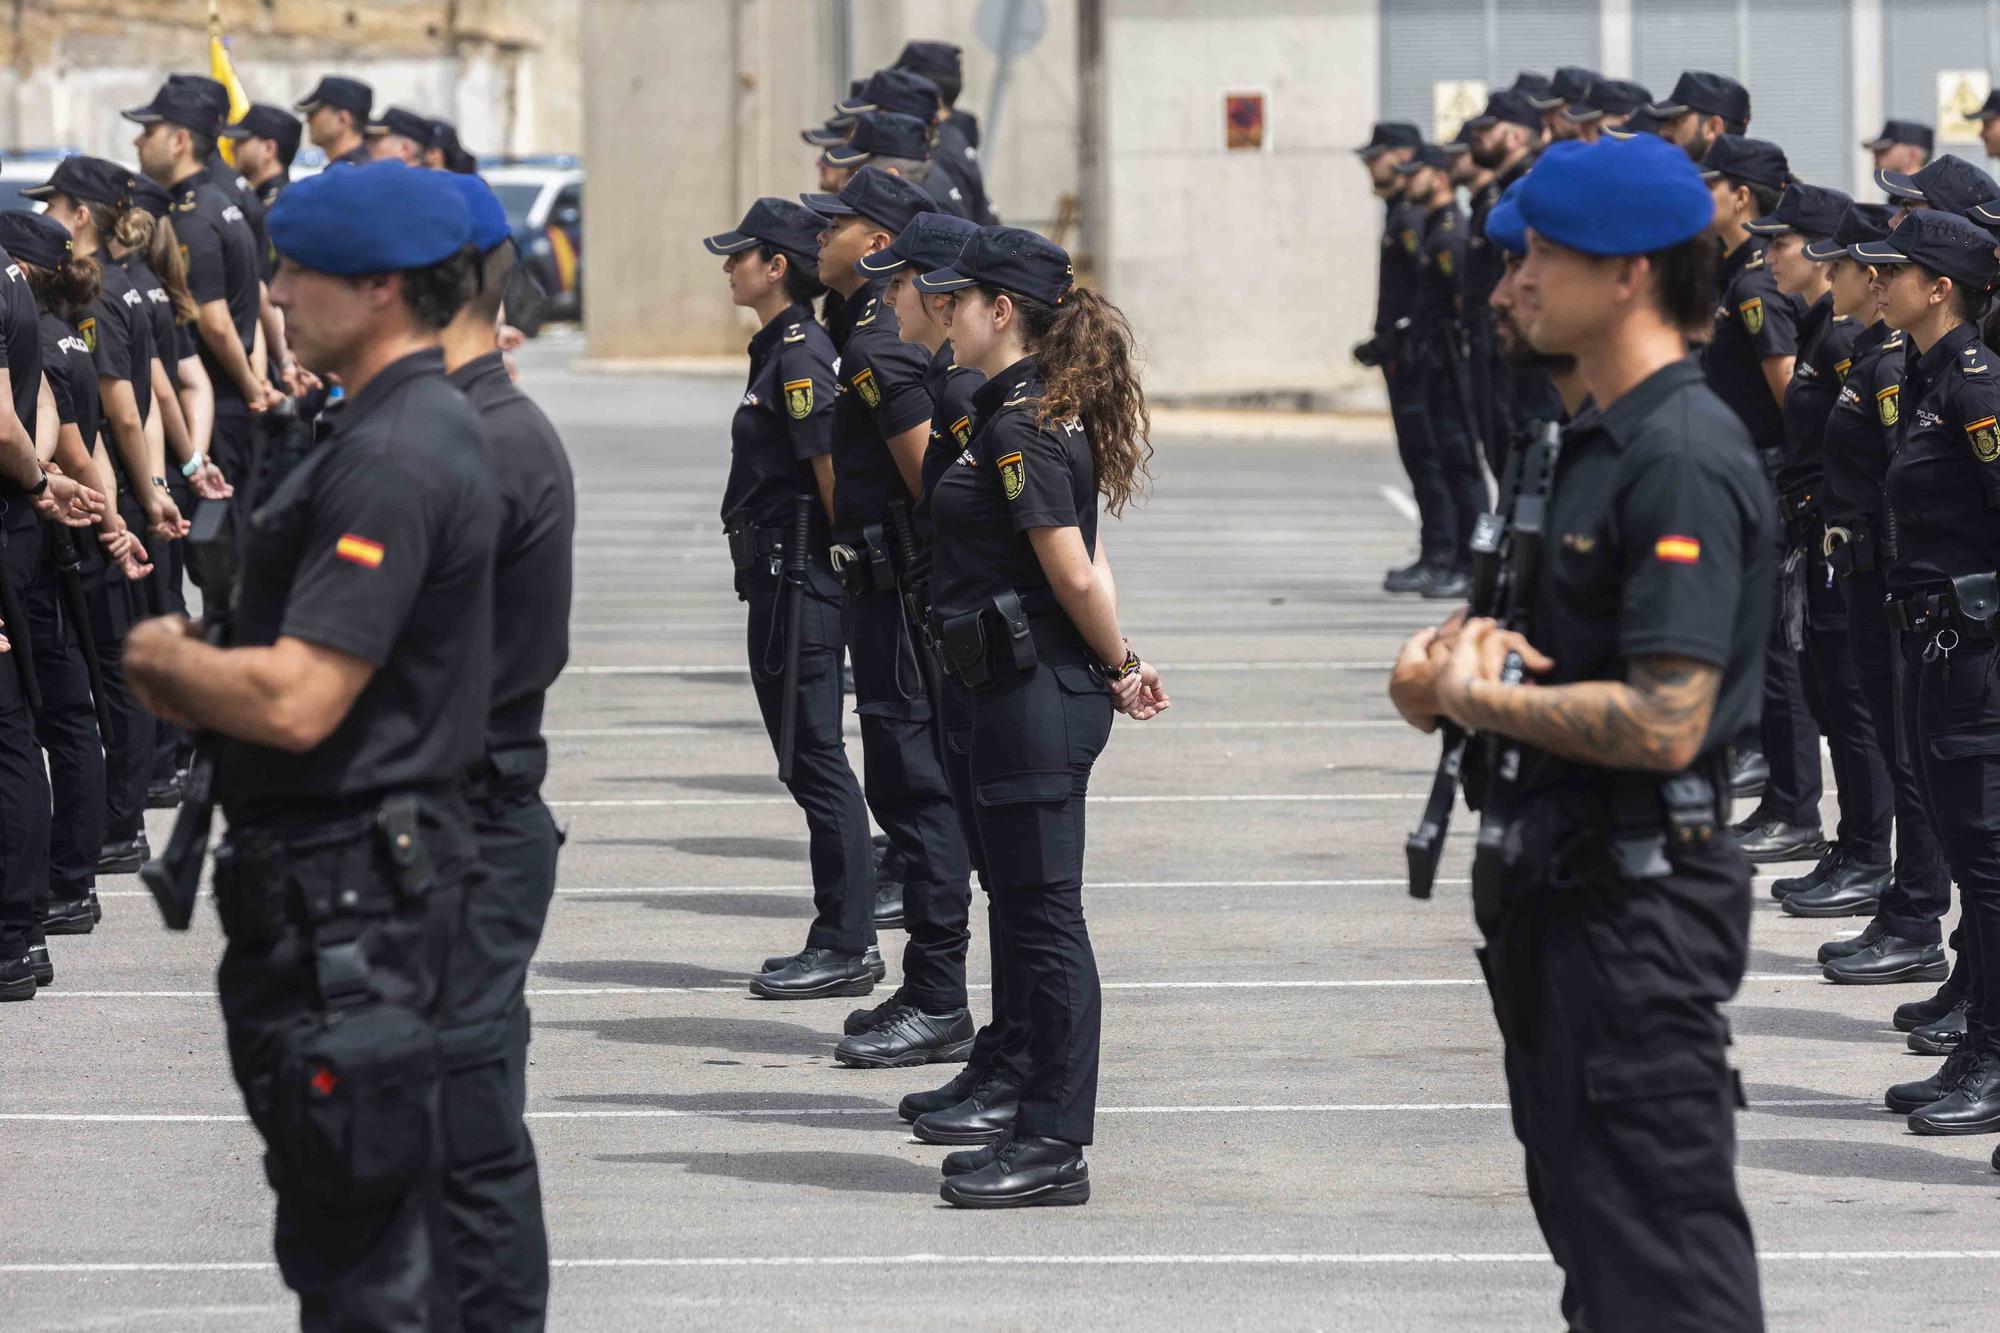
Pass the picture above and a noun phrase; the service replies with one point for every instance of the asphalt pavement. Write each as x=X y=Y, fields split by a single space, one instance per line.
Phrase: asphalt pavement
x=1302 y=1118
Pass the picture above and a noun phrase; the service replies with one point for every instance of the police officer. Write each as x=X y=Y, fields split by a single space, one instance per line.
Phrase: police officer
x=1950 y=183
x=1441 y=355
x=399 y=136
x=1903 y=145
x=896 y=143
x=492 y=1186
x=1606 y=106
x=905 y=92
x=1645 y=635
x=446 y=153
x=1701 y=109
x=781 y=448
x=1749 y=360
x=1505 y=135
x=1903 y=938
x=1027 y=623
x=1393 y=348
x=266 y=140
x=958 y=131
x=1988 y=117
x=349 y=708
x=881 y=426
x=1571 y=83
x=336 y=113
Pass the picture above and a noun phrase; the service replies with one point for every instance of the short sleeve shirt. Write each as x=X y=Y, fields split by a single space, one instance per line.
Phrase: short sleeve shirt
x=1855 y=449
x=1943 y=479
x=159 y=312
x=1014 y=475
x=119 y=331
x=20 y=347
x=1826 y=357
x=72 y=376
x=1755 y=322
x=784 y=421
x=379 y=545
x=879 y=394
x=1658 y=541
x=1444 y=267
x=222 y=263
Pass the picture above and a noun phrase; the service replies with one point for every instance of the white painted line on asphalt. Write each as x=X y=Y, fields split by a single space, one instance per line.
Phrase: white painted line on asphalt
x=961 y=1259
x=732 y=731
x=1401 y=501
x=656 y=803
x=805 y=890
x=692 y=669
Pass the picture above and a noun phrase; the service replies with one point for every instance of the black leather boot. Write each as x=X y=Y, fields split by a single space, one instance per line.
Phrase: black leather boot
x=909 y=1036
x=951 y=1094
x=1026 y=1173
x=980 y=1118
x=1972 y=1106
x=816 y=974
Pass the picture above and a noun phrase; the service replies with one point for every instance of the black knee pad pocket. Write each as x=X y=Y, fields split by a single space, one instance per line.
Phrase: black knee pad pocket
x=1668 y=1117
x=481 y=1123
x=355 y=1106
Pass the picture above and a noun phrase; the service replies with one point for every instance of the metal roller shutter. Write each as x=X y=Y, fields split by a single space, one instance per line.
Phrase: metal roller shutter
x=1424 y=41
x=1541 y=34
x=1921 y=37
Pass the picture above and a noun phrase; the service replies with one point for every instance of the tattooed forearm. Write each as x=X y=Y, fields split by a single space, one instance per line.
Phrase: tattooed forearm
x=1653 y=720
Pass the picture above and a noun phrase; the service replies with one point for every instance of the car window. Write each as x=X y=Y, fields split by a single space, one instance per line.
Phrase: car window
x=570 y=196
x=517 y=198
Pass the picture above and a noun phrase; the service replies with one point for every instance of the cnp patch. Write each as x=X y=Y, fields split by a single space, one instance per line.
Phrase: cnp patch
x=865 y=385
x=1888 y=405
x=1409 y=240
x=1985 y=437
x=1013 y=475
x=358 y=550
x=1444 y=262
x=1752 y=311
x=88 y=328
x=799 y=398
x=961 y=430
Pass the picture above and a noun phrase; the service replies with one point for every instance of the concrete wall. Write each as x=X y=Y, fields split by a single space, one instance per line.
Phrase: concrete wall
x=1245 y=274
x=506 y=71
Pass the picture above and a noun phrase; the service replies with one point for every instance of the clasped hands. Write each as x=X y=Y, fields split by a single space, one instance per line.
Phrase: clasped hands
x=1438 y=668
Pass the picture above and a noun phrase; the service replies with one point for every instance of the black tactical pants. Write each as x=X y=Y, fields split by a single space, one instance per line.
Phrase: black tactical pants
x=1919 y=895
x=1622 y=1096
x=1034 y=736
x=903 y=776
x=492 y=1186
x=115 y=603
x=1457 y=455
x=1951 y=706
x=1790 y=741
x=998 y=1045
x=843 y=867
x=24 y=783
x=1833 y=696
x=1410 y=411
x=66 y=728
x=349 y=1111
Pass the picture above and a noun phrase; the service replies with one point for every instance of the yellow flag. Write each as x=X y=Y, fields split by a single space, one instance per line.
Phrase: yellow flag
x=223 y=72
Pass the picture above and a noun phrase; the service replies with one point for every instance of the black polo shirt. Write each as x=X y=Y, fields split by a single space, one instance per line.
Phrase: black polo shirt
x=951 y=387
x=379 y=545
x=1013 y=476
x=531 y=568
x=960 y=160
x=20 y=347
x=1755 y=321
x=1401 y=265
x=1658 y=542
x=1485 y=262
x=242 y=193
x=1826 y=357
x=166 y=332
x=1859 y=431
x=879 y=394
x=222 y=265
x=1443 y=296
x=784 y=421
x=118 y=328
x=1943 y=480
x=72 y=375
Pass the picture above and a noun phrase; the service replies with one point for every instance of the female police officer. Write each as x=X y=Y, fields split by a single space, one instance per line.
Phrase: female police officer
x=1943 y=483
x=781 y=442
x=1028 y=625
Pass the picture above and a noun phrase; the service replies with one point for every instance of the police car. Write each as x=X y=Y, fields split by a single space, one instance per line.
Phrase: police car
x=21 y=168
x=543 y=197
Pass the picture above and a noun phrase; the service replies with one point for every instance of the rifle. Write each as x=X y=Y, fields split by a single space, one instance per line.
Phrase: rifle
x=1502 y=579
x=174 y=877
x=794 y=555
x=914 y=591
x=69 y=568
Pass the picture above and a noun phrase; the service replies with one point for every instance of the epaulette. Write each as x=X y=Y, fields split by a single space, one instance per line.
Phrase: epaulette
x=1894 y=340
x=867 y=315
x=795 y=333
x=1974 y=361
x=1843 y=319
x=1756 y=263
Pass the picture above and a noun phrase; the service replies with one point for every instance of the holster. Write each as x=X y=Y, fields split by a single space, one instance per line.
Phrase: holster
x=975 y=648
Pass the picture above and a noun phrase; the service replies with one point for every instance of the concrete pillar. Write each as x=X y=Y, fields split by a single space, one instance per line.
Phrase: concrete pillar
x=1614 y=40
x=1864 y=84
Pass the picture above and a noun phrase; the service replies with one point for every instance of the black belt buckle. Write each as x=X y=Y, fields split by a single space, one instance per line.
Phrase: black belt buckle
x=398 y=823
x=1690 y=806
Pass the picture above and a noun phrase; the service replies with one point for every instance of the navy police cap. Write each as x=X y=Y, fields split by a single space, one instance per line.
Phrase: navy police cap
x=180 y=103
x=91 y=179
x=1861 y=222
x=931 y=241
x=1507 y=107
x=1616 y=196
x=1390 y=135
x=338 y=91
x=1741 y=160
x=1641 y=121
x=1950 y=184
x=1902 y=131
x=408 y=124
x=882 y=134
x=1528 y=84
x=1944 y=243
x=488 y=219
x=1812 y=210
x=1991 y=109
x=1708 y=94
x=1504 y=226
x=778 y=223
x=1571 y=84
x=1012 y=259
x=34 y=238
x=886 y=200
x=263 y=121
x=902 y=90
x=383 y=217
x=1608 y=97
x=1429 y=155
x=930 y=58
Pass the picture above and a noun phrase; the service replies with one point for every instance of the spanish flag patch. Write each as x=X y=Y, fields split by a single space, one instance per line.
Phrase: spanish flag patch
x=359 y=550
x=1679 y=550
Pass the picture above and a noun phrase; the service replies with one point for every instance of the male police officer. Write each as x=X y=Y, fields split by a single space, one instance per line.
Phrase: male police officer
x=1504 y=138
x=266 y=139
x=492 y=1188
x=1572 y=83
x=1903 y=145
x=1614 y=904
x=398 y=135
x=958 y=131
x=336 y=113
x=953 y=179
x=1702 y=108
x=900 y=145
x=350 y=707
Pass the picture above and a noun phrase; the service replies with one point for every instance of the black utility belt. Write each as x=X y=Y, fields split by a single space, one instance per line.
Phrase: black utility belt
x=1851 y=548
x=864 y=565
x=1968 y=606
x=1624 y=831
x=749 y=543
x=981 y=648
x=515 y=770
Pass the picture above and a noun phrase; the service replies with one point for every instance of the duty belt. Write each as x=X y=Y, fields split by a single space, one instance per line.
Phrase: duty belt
x=1963 y=610
x=750 y=542
x=1851 y=548
x=864 y=566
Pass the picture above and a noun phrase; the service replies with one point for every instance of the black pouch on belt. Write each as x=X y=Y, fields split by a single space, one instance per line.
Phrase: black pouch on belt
x=742 y=538
x=1020 y=640
x=1977 y=599
x=356 y=1104
x=962 y=643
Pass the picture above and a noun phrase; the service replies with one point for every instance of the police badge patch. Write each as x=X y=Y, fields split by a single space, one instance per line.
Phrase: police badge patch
x=1985 y=437
x=1886 y=405
x=961 y=430
x=1013 y=475
x=1752 y=311
x=799 y=398
x=865 y=385
x=88 y=328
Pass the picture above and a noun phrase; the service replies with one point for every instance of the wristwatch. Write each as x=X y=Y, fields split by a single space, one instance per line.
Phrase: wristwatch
x=42 y=486
x=1123 y=669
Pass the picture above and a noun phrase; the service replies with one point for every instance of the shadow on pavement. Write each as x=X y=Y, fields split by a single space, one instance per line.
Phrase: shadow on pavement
x=754 y=1036
x=773 y=906
x=763 y=849
x=1771 y=1099
x=1900 y=1164
x=638 y=972
x=1767 y=1020
x=794 y=1109
x=847 y=1171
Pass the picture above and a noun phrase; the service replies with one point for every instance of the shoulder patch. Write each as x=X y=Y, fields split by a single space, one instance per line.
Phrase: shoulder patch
x=1888 y=406
x=1752 y=311
x=867 y=314
x=1756 y=263
x=1842 y=366
x=865 y=385
x=1013 y=474
x=1974 y=362
x=961 y=430
x=799 y=398
x=1444 y=262
x=1984 y=435
x=87 y=327
x=1409 y=240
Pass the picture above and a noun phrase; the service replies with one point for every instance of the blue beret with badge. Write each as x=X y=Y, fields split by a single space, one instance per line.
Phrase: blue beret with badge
x=383 y=217
x=489 y=220
x=1616 y=196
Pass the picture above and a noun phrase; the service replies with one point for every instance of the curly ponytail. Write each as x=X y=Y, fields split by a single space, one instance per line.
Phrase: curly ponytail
x=1085 y=353
x=65 y=291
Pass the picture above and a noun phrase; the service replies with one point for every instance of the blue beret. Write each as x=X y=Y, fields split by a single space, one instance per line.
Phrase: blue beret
x=489 y=220
x=379 y=218
x=1616 y=196
x=1504 y=226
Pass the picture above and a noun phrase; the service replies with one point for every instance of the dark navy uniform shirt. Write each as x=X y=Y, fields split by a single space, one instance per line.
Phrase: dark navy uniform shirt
x=951 y=387
x=1826 y=357
x=1485 y=262
x=379 y=545
x=784 y=421
x=960 y=159
x=241 y=193
x=167 y=334
x=1443 y=294
x=880 y=394
x=222 y=264
x=1401 y=265
x=1944 y=472
x=943 y=187
x=20 y=347
x=267 y=197
x=1855 y=448
x=532 y=562
x=1755 y=321
x=72 y=376
x=1658 y=542
x=118 y=328
x=1014 y=475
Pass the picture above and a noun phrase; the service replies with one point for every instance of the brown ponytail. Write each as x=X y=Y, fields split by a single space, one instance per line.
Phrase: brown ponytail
x=1085 y=354
x=65 y=291
x=133 y=230
x=163 y=256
